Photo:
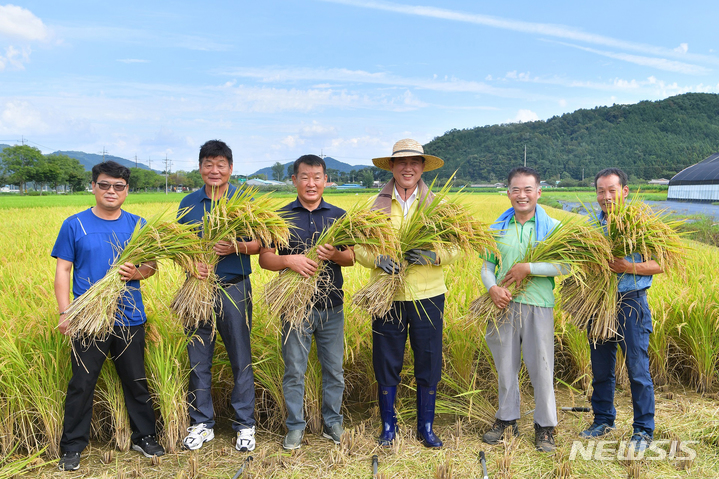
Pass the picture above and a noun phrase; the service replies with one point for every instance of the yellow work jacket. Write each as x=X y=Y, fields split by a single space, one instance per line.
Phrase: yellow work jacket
x=422 y=281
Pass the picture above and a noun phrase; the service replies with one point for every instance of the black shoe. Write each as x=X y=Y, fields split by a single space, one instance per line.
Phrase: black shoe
x=499 y=428
x=70 y=461
x=544 y=438
x=149 y=447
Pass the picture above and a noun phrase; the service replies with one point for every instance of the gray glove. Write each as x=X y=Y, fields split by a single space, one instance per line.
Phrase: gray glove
x=386 y=264
x=420 y=256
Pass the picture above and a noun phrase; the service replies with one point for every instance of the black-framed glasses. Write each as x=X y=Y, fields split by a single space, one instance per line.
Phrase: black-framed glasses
x=104 y=186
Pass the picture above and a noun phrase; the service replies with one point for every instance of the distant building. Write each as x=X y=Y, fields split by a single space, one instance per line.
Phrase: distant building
x=660 y=181
x=487 y=185
x=349 y=186
x=698 y=182
x=259 y=182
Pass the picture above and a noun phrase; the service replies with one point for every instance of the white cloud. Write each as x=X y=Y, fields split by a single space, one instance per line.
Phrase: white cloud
x=524 y=116
x=658 y=63
x=288 y=75
x=133 y=60
x=317 y=130
x=20 y=23
x=682 y=48
x=546 y=29
x=21 y=116
x=15 y=58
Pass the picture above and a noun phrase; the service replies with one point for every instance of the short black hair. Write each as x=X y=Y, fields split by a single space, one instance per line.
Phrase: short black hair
x=623 y=179
x=524 y=171
x=309 y=160
x=215 y=148
x=111 y=168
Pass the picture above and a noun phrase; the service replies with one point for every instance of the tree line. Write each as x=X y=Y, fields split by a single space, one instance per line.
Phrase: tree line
x=648 y=140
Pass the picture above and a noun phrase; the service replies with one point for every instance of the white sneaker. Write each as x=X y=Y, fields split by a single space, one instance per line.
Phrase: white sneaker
x=246 y=440
x=198 y=435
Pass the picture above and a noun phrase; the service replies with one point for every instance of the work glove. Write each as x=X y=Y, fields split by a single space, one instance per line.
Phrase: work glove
x=420 y=256
x=386 y=264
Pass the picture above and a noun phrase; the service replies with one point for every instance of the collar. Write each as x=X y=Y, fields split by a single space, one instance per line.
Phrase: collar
x=530 y=220
x=413 y=196
x=297 y=205
x=203 y=193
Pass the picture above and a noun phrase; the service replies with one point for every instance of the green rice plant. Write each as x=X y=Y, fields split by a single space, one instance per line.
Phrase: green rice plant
x=11 y=467
x=240 y=215
x=168 y=375
x=289 y=295
x=112 y=419
x=92 y=315
x=437 y=224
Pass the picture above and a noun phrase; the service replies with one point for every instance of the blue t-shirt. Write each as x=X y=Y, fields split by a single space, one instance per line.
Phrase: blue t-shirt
x=91 y=244
x=198 y=202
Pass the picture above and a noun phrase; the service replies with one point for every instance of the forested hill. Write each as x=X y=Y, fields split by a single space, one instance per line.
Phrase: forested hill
x=647 y=140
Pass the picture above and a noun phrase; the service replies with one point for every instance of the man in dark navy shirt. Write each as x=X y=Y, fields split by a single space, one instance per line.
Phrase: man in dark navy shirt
x=310 y=214
x=234 y=315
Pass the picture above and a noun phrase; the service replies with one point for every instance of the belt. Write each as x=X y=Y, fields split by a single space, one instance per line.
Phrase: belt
x=637 y=293
x=235 y=280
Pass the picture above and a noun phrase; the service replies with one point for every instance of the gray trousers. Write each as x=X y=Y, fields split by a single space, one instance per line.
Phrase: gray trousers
x=530 y=328
x=234 y=325
x=327 y=326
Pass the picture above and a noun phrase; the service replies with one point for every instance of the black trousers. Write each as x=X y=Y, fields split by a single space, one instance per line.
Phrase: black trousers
x=423 y=321
x=127 y=348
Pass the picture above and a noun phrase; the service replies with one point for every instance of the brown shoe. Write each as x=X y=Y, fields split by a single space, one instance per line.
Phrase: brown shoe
x=496 y=434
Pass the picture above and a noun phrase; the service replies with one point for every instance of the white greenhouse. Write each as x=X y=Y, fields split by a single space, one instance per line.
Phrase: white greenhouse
x=698 y=182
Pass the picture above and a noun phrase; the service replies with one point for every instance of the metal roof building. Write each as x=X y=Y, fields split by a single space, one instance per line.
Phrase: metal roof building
x=698 y=182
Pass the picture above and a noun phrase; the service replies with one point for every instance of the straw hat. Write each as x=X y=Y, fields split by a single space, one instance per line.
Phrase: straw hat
x=405 y=148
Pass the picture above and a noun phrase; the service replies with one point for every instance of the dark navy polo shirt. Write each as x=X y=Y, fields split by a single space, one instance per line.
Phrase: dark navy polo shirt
x=198 y=202
x=307 y=227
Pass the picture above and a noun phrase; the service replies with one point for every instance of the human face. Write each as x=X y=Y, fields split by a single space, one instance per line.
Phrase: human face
x=216 y=172
x=407 y=171
x=523 y=193
x=609 y=189
x=109 y=199
x=310 y=182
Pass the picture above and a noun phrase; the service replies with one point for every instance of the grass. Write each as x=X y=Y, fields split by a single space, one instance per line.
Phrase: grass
x=34 y=364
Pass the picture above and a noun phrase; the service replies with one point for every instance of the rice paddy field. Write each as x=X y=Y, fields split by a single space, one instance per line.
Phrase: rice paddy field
x=35 y=358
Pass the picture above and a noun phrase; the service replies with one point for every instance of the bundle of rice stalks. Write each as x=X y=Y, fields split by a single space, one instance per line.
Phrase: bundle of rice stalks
x=436 y=225
x=291 y=295
x=631 y=227
x=92 y=315
x=240 y=215
x=573 y=243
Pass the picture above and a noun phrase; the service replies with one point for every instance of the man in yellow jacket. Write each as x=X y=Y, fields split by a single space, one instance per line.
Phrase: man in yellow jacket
x=418 y=308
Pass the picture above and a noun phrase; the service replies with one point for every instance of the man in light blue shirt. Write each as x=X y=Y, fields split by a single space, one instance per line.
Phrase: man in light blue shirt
x=634 y=326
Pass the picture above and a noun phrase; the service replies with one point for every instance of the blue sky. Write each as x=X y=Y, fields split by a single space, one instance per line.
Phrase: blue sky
x=278 y=79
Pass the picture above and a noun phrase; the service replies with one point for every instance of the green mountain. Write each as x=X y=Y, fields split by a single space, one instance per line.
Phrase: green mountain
x=330 y=162
x=88 y=160
x=647 y=140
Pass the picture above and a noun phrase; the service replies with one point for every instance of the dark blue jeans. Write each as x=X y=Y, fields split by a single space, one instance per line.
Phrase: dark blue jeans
x=234 y=324
x=635 y=325
x=423 y=321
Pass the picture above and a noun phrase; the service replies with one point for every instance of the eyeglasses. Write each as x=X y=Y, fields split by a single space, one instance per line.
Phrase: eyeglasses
x=106 y=186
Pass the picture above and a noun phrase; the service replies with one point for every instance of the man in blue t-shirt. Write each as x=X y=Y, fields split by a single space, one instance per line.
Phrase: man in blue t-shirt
x=234 y=315
x=86 y=247
x=634 y=327
x=309 y=214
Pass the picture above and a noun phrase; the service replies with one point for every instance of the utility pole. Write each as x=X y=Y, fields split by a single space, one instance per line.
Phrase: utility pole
x=525 y=155
x=149 y=162
x=103 y=153
x=582 y=173
x=322 y=155
x=135 y=161
x=167 y=170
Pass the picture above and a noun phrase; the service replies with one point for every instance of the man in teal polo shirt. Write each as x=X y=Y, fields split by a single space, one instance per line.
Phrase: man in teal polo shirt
x=526 y=326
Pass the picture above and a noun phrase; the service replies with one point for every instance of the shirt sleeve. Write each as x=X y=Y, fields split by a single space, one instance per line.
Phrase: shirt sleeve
x=487 y=274
x=549 y=269
x=363 y=257
x=65 y=243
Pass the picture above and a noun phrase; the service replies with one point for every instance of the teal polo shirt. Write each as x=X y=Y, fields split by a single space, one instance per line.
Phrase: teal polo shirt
x=512 y=245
